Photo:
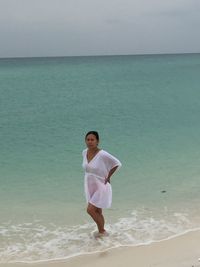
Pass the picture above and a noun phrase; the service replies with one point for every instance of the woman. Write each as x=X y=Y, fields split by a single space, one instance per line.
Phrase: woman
x=99 y=166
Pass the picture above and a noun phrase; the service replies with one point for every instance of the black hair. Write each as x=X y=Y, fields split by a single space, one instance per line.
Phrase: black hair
x=94 y=133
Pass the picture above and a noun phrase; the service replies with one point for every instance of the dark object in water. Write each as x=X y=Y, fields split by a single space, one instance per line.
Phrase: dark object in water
x=163 y=191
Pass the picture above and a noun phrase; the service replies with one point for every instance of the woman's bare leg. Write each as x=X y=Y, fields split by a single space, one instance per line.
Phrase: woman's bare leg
x=101 y=218
x=96 y=214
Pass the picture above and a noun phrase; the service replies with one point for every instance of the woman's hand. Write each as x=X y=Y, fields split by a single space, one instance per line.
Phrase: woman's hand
x=107 y=180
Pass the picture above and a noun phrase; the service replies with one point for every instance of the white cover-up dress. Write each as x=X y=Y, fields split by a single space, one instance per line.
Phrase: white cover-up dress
x=97 y=192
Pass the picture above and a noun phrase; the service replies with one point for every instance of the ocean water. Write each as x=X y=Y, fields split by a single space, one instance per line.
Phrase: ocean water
x=146 y=109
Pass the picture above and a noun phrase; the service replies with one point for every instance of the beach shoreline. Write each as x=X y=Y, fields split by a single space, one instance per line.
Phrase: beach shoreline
x=183 y=251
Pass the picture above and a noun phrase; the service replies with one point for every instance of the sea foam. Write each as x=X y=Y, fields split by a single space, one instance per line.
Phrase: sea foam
x=37 y=241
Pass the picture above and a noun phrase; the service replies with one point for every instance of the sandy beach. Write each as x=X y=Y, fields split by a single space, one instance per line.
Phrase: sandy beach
x=181 y=251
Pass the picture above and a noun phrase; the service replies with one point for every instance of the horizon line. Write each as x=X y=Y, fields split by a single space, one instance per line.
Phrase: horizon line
x=103 y=55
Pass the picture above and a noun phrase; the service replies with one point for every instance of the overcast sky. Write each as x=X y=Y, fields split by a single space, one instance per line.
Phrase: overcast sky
x=98 y=27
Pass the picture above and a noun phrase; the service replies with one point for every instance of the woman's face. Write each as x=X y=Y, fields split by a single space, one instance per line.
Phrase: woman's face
x=91 y=141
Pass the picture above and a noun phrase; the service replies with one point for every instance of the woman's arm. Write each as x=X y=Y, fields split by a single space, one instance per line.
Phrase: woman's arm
x=107 y=180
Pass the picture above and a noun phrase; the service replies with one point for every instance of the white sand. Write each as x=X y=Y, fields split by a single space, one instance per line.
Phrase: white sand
x=182 y=251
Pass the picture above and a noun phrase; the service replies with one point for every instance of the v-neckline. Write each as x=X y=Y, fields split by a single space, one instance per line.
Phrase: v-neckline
x=93 y=157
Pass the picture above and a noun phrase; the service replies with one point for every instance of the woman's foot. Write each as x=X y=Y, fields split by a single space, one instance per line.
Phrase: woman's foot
x=101 y=234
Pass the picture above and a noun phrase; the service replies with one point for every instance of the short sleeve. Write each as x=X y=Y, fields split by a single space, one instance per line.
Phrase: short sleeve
x=111 y=161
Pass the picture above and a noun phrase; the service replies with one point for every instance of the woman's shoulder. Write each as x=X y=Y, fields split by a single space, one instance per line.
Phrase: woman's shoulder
x=84 y=151
x=105 y=153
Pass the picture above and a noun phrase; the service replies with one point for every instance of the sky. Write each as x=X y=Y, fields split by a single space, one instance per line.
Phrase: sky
x=34 y=28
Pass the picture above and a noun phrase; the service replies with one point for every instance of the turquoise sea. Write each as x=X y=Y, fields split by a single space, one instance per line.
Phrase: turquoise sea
x=146 y=109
